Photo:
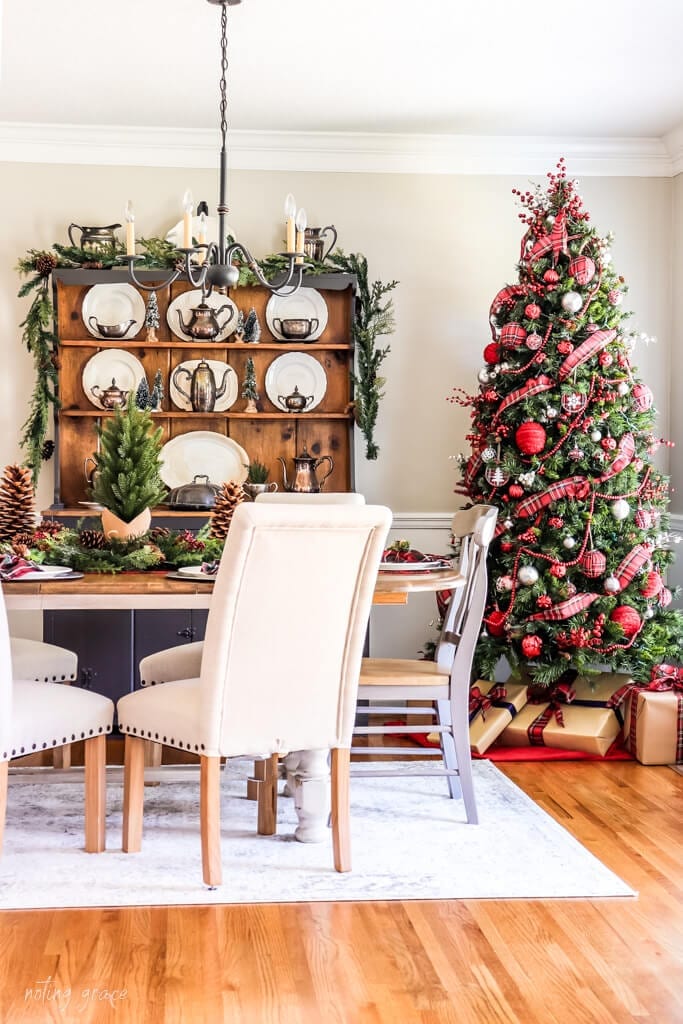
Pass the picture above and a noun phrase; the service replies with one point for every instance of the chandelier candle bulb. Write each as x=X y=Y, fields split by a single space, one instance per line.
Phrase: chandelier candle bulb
x=188 y=206
x=290 y=214
x=301 y=222
x=130 y=229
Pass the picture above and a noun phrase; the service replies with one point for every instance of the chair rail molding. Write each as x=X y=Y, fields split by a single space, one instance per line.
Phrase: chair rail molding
x=362 y=152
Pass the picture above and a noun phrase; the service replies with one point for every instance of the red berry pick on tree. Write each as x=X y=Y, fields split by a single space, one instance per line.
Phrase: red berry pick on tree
x=580 y=500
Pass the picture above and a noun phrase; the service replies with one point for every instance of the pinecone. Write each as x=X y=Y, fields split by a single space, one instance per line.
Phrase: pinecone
x=22 y=540
x=227 y=500
x=92 y=540
x=17 y=502
x=45 y=263
x=47 y=451
x=50 y=526
x=159 y=533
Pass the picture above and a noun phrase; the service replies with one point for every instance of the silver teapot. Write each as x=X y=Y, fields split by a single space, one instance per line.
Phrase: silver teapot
x=203 y=390
x=296 y=402
x=204 y=325
x=112 y=397
x=305 y=481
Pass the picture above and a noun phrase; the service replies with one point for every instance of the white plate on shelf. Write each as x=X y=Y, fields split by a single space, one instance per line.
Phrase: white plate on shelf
x=203 y=452
x=113 y=304
x=305 y=304
x=295 y=370
x=111 y=364
x=184 y=304
x=228 y=397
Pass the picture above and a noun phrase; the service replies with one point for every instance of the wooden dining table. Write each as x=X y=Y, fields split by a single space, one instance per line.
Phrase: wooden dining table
x=307 y=770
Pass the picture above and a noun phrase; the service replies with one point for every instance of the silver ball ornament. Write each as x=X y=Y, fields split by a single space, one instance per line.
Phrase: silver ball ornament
x=527 y=575
x=571 y=302
x=623 y=388
x=620 y=509
x=551 y=412
x=595 y=435
x=612 y=585
x=648 y=613
x=569 y=543
x=483 y=376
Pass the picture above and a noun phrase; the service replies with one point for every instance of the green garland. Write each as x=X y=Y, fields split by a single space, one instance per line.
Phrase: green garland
x=373 y=318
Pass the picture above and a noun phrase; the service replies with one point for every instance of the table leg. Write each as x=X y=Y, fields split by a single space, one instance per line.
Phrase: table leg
x=308 y=777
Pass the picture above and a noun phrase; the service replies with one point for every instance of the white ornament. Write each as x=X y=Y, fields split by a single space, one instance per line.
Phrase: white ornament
x=606 y=257
x=508 y=524
x=612 y=585
x=623 y=388
x=595 y=435
x=571 y=302
x=550 y=219
x=551 y=412
x=569 y=543
x=648 y=613
x=527 y=479
x=620 y=509
x=504 y=583
x=493 y=372
x=488 y=455
x=483 y=376
x=527 y=575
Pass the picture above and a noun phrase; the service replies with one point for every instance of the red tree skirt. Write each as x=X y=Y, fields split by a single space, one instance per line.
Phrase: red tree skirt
x=615 y=753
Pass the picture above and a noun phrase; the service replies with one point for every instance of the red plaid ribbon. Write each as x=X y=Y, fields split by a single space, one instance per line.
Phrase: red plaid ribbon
x=662 y=678
x=572 y=487
x=565 y=609
x=559 y=695
x=481 y=702
x=505 y=296
x=534 y=386
x=413 y=556
x=473 y=466
x=558 y=236
x=594 y=343
x=631 y=564
x=625 y=452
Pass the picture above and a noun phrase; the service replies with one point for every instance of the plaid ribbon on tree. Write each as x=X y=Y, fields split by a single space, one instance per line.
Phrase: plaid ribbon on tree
x=572 y=487
x=505 y=296
x=626 y=449
x=482 y=702
x=593 y=344
x=534 y=386
x=565 y=609
x=662 y=678
x=474 y=464
x=631 y=564
x=559 y=695
x=558 y=236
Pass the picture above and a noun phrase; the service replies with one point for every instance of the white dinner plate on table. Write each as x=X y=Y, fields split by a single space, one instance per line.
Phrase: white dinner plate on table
x=195 y=571
x=113 y=304
x=46 y=572
x=202 y=453
x=185 y=303
x=295 y=370
x=108 y=365
x=305 y=304
x=412 y=566
x=227 y=399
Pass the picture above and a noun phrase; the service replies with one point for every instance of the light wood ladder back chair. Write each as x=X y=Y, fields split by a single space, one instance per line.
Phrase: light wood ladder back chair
x=444 y=681
x=39 y=715
x=288 y=573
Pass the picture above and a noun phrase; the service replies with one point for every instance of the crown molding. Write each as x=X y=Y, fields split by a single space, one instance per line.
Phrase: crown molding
x=674 y=145
x=347 y=152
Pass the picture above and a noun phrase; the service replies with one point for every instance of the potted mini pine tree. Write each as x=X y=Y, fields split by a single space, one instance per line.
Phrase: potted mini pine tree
x=128 y=481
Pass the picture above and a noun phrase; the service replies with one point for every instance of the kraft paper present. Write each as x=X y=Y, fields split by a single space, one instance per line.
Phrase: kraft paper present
x=656 y=732
x=590 y=725
x=487 y=727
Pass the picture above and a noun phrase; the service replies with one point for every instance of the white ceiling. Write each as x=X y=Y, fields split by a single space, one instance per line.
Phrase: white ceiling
x=589 y=68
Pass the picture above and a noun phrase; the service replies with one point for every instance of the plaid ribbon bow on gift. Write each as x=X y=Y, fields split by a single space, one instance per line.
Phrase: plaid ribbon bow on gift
x=484 y=701
x=12 y=567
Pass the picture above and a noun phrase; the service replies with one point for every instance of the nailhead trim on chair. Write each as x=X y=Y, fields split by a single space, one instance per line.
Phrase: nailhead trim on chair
x=6 y=755
x=163 y=739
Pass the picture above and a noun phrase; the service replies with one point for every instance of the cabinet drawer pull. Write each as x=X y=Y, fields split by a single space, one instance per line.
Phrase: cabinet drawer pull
x=188 y=632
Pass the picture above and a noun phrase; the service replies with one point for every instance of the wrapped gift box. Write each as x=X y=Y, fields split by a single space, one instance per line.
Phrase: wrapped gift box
x=592 y=719
x=487 y=724
x=653 y=726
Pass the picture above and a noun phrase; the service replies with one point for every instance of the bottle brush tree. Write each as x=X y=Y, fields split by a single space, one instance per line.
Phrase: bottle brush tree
x=128 y=465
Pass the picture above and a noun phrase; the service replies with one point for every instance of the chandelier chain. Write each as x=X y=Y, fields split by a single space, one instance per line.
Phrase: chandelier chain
x=224 y=73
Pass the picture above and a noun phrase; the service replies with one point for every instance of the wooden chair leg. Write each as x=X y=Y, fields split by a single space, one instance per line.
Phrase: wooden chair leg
x=4 y=768
x=133 y=793
x=341 y=820
x=210 y=819
x=267 y=797
x=61 y=756
x=95 y=793
x=258 y=775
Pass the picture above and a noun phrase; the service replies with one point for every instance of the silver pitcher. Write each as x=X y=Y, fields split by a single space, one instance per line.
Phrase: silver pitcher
x=94 y=240
x=314 y=242
x=203 y=390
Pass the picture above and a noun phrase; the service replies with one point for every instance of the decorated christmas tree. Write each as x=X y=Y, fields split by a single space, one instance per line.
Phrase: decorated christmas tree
x=249 y=386
x=562 y=439
x=152 y=317
x=252 y=328
x=157 y=395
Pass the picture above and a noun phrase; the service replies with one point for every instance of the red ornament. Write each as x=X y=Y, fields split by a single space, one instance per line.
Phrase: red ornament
x=628 y=618
x=593 y=564
x=495 y=623
x=643 y=519
x=534 y=342
x=642 y=397
x=532 y=311
x=530 y=438
x=608 y=443
x=492 y=353
x=556 y=522
x=614 y=297
x=515 y=491
x=582 y=269
x=512 y=335
x=544 y=601
x=532 y=646
x=551 y=277
x=565 y=347
x=653 y=585
x=665 y=597
x=506 y=545
x=558 y=570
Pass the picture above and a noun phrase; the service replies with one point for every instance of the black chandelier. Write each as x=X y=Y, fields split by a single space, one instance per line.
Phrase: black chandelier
x=215 y=268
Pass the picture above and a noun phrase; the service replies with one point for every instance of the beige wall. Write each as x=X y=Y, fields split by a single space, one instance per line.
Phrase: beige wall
x=676 y=349
x=452 y=242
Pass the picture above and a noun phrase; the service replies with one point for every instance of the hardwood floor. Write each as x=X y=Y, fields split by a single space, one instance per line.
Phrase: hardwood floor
x=469 y=962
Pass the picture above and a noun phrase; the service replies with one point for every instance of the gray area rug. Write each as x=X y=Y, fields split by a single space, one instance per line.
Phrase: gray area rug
x=409 y=842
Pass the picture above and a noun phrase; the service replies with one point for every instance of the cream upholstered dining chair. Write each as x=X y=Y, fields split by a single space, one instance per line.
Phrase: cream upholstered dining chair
x=47 y=663
x=444 y=681
x=314 y=498
x=38 y=715
x=288 y=573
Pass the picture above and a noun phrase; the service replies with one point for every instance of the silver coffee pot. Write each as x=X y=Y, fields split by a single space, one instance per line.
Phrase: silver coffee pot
x=203 y=389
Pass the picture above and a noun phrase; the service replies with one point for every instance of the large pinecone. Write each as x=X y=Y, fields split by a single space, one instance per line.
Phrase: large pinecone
x=17 y=502
x=92 y=540
x=227 y=500
x=45 y=263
